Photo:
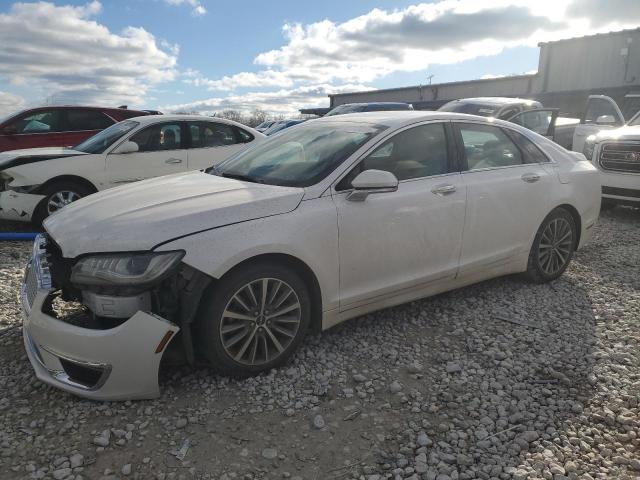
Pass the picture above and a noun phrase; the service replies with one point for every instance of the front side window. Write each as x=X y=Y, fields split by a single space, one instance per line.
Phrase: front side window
x=211 y=134
x=298 y=157
x=45 y=121
x=414 y=153
x=87 y=120
x=599 y=107
x=486 y=146
x=159 y=137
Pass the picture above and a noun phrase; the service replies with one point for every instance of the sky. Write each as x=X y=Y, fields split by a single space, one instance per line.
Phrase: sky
x=206 y=56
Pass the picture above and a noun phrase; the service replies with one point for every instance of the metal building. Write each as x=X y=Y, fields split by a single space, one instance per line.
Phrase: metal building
x=568 y=72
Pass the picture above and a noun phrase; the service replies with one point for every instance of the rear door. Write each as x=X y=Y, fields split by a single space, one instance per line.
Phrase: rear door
x=601 y=113
x=507 y=196
x=213 y=142
x=161 y=151
x=82 y=123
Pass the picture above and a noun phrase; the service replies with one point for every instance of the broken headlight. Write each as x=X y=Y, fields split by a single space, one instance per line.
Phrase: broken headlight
x=124 y=269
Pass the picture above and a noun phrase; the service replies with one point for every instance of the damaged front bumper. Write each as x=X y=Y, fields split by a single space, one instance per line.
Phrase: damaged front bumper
x=17 y=206
x=119 y=363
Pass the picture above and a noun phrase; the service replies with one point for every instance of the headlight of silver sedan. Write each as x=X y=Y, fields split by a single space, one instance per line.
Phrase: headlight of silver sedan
x=124 y=269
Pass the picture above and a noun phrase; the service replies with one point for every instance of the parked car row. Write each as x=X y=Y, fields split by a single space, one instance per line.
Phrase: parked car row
x=232 y=266
x=34 y=183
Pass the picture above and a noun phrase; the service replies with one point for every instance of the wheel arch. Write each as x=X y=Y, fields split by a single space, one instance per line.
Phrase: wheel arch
x=68 y=178
x=302 y=269
x=576 y=218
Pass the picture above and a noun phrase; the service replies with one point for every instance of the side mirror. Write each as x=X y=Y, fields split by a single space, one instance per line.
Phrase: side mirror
x=605 y=120
x=127 y=147
x=372 y=181
x=9 y=130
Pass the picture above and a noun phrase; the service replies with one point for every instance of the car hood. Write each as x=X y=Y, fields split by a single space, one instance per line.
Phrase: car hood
x=142 y=215
x=12 y=158
x=622 y=133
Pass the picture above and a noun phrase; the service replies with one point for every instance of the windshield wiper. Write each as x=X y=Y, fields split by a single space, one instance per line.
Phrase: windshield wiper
x=239 y=176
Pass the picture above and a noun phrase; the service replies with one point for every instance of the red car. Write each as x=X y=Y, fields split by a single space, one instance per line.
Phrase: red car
x=59 y=126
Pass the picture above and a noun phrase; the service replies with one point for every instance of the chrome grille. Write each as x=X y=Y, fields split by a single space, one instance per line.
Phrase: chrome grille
x=620 y=157
x=37 y=275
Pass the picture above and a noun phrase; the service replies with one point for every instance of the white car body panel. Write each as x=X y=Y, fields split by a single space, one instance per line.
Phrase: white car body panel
x=108 y=169
x=583 y=130
x=390 y=248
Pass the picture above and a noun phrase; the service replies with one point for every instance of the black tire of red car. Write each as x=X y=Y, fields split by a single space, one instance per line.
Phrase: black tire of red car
x=553 y=247
x=50 y=191
x=253 y=334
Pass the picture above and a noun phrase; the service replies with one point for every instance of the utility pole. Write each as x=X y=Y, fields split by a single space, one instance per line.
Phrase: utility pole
x=429 y=77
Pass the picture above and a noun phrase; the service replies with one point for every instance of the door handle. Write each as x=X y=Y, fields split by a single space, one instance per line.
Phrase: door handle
x=530 y=177
x=173 y=160
x=443 y=190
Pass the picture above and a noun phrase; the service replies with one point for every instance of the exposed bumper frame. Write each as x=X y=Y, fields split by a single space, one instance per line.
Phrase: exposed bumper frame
x=128 y=356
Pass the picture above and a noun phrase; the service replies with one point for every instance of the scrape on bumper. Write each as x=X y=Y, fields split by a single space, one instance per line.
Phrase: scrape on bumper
x=17 y=206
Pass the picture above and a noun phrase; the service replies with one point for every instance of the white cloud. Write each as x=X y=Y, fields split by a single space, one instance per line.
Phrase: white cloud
x=69 y=57
x=197 y=7
x=10 y=103
x=280 y=102
x=368 y=47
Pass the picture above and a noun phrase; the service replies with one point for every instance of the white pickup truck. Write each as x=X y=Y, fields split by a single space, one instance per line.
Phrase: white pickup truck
x=613 y=146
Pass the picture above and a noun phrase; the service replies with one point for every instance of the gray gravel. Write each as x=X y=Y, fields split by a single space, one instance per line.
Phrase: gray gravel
x=502 y=380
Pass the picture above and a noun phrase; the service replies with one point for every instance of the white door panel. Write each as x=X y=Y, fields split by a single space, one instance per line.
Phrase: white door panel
x=201 y=158
x=505 y=207
x=132 y=167
x=396 y=240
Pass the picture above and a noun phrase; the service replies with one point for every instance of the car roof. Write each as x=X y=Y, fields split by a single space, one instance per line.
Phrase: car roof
x=148 y=119
x=396 y=118
x=495 y=100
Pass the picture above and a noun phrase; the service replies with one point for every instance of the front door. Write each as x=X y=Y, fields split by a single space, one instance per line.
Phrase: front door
x=507 y=195
x=397 y=240
x=161 y=151
x=601 y=113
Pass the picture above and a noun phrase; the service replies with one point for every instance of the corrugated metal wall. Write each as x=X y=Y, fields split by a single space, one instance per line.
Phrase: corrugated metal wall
x=568 y=71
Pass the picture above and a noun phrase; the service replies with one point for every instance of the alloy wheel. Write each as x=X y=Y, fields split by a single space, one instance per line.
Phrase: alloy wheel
x=555 y=246
x=60 y=199
x=260 y=321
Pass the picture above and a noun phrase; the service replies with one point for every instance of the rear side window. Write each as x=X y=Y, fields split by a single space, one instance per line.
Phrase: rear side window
x=87 y=120
x=486 y=146
x=211 y=134
x=532 y=154
x=159 y=137
x=44 y=121
x=243 y=135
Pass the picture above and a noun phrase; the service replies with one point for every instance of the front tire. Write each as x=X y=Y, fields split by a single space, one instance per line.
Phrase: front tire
x=58 y=195
x=553 y=247
x=254 y=319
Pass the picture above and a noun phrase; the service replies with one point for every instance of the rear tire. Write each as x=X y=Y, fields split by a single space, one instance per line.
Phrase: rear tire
x=58 y=195
x=253 y=319
x=553 y=247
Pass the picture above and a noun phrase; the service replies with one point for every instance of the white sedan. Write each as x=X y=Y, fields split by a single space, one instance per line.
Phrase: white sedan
x=325 y=221
x=34 y=183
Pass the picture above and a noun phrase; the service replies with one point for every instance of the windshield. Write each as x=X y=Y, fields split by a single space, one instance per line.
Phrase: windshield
x=103 y=140
x=482 y=109
x=298 y=157
x=342 y=109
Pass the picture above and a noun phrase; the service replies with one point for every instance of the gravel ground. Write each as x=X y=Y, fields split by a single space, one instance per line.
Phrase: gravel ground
x=499 y=380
